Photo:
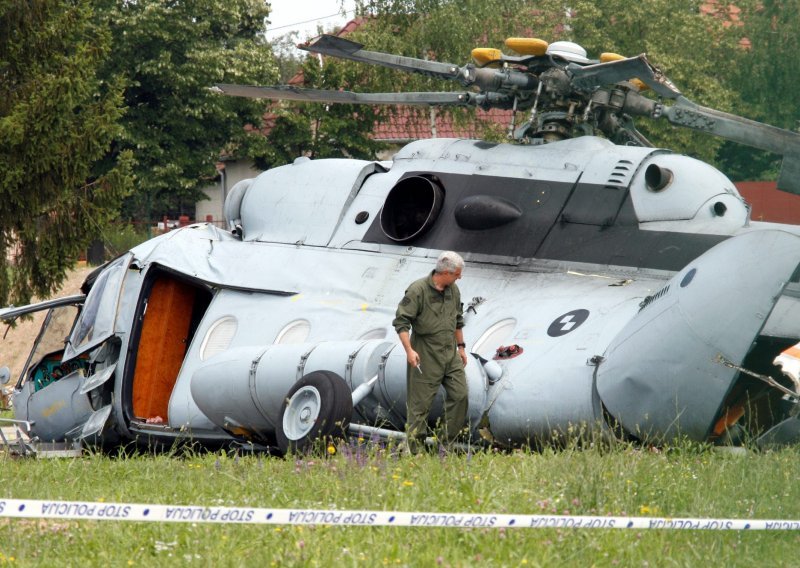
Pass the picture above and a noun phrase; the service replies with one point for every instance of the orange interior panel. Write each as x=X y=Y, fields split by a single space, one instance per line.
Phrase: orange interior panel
x=162 y=347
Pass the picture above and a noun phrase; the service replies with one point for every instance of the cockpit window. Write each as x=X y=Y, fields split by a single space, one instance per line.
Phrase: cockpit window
x=49 y=345
x=96 y=322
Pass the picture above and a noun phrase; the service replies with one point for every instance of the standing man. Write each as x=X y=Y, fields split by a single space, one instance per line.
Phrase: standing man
x=431 y=309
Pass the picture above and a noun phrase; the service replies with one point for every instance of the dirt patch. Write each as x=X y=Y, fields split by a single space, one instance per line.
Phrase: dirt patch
x=16 y=342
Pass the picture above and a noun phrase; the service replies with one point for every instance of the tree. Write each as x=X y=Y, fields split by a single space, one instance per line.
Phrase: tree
x=698 y=51
x=766 y=78
x=288 y=59
x=170 y=54
x=57 y=121
x=318 y=130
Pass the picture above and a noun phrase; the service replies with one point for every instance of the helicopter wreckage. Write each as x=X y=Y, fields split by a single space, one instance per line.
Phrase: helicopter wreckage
x=613 y=284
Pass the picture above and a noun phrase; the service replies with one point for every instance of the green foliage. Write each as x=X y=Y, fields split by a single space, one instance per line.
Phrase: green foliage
x=122 y=236
x=317 y=130
x=767 y=75
x=169 y=54
x=766 y=78
x=696 y=52
x=57 y=122
x=687 y=482
x=288 y=59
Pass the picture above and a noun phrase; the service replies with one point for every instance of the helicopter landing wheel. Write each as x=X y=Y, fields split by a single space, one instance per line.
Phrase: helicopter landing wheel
x=318 y=407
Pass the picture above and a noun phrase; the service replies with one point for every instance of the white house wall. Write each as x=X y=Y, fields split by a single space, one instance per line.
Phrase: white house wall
x=234 y=172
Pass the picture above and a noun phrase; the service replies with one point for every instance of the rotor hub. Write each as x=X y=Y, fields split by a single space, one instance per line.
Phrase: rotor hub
x=568 y=50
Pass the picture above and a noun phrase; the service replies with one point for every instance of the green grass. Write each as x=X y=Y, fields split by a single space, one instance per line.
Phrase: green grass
x=688 y=481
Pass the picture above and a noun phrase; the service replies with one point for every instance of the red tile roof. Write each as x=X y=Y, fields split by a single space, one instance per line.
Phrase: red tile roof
x=731 y=15
x=405 y=125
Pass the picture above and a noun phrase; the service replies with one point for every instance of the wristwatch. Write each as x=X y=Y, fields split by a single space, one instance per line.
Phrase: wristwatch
x=464 y=345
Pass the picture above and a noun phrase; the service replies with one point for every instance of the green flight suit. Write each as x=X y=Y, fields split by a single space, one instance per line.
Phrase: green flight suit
x=433 y=317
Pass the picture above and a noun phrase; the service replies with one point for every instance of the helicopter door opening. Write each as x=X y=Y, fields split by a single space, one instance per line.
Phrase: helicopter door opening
x=170 y=312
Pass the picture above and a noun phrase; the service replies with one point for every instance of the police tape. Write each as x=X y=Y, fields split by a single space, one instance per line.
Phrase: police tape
x=99 y=511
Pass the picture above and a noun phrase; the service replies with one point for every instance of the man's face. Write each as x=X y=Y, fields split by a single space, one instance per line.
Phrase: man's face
x=450 y=277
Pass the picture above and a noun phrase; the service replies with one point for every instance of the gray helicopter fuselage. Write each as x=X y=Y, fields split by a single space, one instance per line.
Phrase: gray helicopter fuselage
x=567 y=245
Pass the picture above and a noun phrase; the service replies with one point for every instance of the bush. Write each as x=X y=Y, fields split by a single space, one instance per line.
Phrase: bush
x=125 y=236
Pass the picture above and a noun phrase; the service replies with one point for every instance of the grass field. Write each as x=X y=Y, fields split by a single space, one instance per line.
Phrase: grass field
x=686 y=481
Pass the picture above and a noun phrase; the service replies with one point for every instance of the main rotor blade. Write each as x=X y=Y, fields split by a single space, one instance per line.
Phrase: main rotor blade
x=489 y=80
x=345 y=49
x=731 y=127
x=744 y=131
x=590 y=76
x=289 y=93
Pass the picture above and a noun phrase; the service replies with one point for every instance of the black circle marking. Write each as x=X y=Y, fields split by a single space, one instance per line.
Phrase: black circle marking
x=568 y=322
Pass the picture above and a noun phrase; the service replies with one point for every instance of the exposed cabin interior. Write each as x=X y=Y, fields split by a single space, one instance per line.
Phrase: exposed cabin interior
x=170 y=312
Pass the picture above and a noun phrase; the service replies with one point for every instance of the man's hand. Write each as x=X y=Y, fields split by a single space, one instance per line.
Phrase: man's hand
x=463 y=353
x=412 y=357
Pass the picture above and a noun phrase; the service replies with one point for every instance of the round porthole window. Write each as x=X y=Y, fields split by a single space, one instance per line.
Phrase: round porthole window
x=494 y=337
x=218 y=337
x=294 y=332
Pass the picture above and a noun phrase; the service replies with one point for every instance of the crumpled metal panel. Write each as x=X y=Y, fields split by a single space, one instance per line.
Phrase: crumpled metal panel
x=56 y=409
x=661 y=376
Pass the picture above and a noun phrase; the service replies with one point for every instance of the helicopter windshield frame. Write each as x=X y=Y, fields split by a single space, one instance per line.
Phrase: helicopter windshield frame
x=98 y=317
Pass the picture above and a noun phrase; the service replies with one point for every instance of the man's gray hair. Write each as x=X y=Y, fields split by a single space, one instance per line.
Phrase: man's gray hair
x=449 y=261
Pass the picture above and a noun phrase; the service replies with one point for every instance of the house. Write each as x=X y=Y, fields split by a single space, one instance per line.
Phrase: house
x=769 y=203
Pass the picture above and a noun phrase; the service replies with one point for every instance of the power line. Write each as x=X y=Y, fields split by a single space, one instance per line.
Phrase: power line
x=310 y=21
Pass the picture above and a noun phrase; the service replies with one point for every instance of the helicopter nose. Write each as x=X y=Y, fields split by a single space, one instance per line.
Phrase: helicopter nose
x=669 y=370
